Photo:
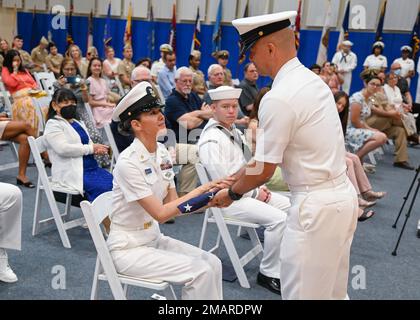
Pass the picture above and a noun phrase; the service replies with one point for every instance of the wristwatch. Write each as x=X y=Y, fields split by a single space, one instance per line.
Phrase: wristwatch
x=234 y=196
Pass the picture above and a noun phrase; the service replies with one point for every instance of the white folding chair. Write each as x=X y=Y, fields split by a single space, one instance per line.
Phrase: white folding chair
x=38 y=104
x=215 y=215
x=89 y=112
x=120 y=87
x=113 y=145
x=61 y=220
x=15 y=163
x=6 y=97
x=45 y=81
x=105 y=270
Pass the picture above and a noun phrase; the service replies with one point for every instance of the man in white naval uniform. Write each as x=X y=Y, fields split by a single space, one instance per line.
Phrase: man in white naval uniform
x=302 y=134
x=10 y=228
x=223 y=152
x=346 y=62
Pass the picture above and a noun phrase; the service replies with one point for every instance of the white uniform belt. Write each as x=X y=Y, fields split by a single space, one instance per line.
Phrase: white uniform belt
x=117 y=227
x=323 y=185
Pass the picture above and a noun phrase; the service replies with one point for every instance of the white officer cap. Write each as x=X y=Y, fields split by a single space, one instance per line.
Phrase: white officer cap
x=379 y=44
x=254 y=28
x=166 y=48
x=224 y=92
x=348 y=43
x=406 y=48
x=142 y=98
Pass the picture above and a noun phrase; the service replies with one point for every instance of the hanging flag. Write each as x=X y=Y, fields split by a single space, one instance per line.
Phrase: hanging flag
x=151 y=35
x=217 y=31
x=325 y=37
x=128 y=34
x=415 y=37
x=15 y=19
x=242 y=58
x=34 y=29
x=297 y=25
x=380 y=28
x=172 y=36
x=90 y=31
x=107 y=31
x=344 y=31
x=70 y=25
x=196 y=44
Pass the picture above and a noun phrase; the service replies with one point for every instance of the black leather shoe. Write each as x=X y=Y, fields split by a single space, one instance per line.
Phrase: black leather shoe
x=271 y=284
x=403 y=165
x=28 y=184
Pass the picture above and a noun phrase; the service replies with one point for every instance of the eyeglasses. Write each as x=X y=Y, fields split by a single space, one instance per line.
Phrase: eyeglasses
x=220 y=74
x=187 y=81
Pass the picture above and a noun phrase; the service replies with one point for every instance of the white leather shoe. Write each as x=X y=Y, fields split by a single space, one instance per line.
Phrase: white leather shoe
x=6 y=273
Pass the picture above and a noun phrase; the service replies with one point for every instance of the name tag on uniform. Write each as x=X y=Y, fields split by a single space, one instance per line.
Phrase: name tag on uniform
x=148 y=171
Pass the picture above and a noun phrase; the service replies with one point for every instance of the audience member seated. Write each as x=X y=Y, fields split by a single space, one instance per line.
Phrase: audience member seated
x=157 y=66
x=223 y=152
x=330 y=77
x=54 y=60
x=360 y=136
x=4 y=48
x=10 y=228
x=376 y=60
x=100 y=99
x=166 y=76
x=75 y=53
x=355 y=169
x=19 y=82
x=199 y=81
x=18 y=131
x=315 y=68
x=186 y=115
x=71 y=150
x=145 y=62
x=24 y=55
x=78 y=86
x=216 y=77
x=249 y=88
x=125 y=68
x=222 y=58
x=144 y=195
x=39 y=55
x=111 y=63
x=386 y=118
x=91 y=53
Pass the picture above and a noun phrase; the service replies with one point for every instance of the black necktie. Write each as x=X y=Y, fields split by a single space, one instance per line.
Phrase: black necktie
x=344 y=57
x=235 y=138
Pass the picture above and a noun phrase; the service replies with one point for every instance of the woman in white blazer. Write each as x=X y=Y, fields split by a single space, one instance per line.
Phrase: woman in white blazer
x=71 y=151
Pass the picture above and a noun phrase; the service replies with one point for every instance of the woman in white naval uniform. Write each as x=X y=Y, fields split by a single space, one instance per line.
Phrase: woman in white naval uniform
x=376 y=60
x=145 y=195
x=223 y=152
x=10 y=227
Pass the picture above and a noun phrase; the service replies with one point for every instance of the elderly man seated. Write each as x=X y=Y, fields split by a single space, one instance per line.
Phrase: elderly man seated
x=223 y=152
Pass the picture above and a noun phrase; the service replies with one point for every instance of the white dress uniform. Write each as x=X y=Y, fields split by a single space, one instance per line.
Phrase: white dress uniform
x=407 y=65
x=10 y=217
x=346 y=63
x=223 y=157
x=137 y=246
x=302 y=132
x=376 y=62
x=418 y=83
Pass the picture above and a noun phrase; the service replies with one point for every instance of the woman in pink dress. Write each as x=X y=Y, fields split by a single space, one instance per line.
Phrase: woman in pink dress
x=102 y=108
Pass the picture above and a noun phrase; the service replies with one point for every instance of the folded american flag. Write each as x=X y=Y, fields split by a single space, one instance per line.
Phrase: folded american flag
x=196 y=203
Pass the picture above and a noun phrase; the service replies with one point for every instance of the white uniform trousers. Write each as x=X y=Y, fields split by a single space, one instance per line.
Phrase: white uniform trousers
x=347 y=82
x=176 y=262
x=10 y=217
x=315 y=252
x=269 y=215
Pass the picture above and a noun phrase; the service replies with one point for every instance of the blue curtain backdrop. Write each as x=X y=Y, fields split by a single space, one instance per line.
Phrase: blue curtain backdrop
x=307 y=53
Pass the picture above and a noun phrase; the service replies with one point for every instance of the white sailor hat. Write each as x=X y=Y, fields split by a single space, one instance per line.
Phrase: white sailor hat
x=224 y=92
x=379 y=44
x=348 y=43
x=254 y=28
x=142 y=98
x=406 y=48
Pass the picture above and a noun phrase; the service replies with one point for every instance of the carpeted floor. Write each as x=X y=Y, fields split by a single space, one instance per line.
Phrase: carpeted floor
x=375 y=273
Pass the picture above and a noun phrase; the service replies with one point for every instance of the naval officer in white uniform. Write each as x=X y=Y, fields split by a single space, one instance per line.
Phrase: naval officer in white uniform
x=223 y=152
x=144 y=196
x=303 y=135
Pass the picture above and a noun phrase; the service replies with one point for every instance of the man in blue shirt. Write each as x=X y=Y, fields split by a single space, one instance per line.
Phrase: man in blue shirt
x=166 y=77
x=187 y=116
